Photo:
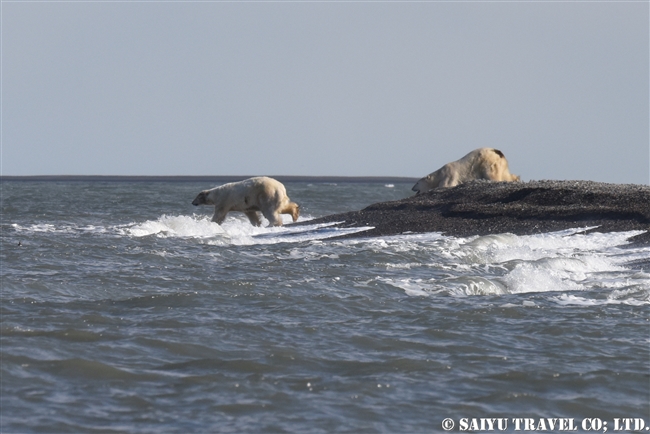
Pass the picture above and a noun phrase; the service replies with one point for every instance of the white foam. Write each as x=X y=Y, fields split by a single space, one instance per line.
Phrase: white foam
x=460 y=287
x=42 y=227
x=177 y=226
x=234 y=231
x=474 y=285
x=539 y=277
x=559 y=262
x=614 y=298
x=414 y=288
x=57 y=229
x=506 y=247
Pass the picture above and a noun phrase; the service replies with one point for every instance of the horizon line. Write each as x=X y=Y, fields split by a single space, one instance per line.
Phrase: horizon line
x=188 y=178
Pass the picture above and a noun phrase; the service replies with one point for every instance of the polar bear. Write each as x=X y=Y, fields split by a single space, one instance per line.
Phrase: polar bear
x=482 y=163
x=249 y=196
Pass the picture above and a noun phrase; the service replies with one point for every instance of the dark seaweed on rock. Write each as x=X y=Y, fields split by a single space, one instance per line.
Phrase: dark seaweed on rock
x=522 y=208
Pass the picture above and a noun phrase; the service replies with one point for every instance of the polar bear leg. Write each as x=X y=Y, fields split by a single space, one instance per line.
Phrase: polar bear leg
x=451 y=181
x=447 y=176
x=253 y=217
x=219 y=215
x=274 y=217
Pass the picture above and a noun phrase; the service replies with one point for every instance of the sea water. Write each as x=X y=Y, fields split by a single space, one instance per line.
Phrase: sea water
x=125 y=309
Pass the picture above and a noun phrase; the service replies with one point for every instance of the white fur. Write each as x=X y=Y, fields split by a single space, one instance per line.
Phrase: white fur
x=482 y=163
x=250 y=196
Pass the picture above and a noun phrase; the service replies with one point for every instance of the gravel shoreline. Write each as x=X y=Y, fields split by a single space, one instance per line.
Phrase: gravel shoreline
x=521 y=208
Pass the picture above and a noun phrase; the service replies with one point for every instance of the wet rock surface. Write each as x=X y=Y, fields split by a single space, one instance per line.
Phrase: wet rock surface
x=481 y=208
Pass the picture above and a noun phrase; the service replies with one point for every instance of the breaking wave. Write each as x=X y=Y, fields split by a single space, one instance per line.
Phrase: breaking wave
x=557 y=262
x=234 y=231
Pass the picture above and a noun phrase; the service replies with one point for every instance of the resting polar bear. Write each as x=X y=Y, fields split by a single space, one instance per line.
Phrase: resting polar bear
x=249 y=196
x=482 y=163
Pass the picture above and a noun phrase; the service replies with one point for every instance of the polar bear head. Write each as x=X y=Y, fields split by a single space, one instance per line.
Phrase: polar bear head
x=424 y=184
x=204 y=198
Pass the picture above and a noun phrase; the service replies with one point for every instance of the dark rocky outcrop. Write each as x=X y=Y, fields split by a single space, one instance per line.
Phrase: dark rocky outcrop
x=481 y=208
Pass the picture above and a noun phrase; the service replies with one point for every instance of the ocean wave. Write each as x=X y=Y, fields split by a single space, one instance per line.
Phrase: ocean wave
x=558 y=262
x=234 y=231
x=175 y=227
x=59 y=228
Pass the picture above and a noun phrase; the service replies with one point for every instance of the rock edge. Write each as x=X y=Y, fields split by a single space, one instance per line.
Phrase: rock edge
x=521 y=208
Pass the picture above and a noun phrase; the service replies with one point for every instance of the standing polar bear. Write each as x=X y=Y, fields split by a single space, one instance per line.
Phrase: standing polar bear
x=482 y=163
x=250 y=196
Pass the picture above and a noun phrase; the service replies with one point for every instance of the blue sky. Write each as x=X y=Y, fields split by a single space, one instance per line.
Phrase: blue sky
x=325 y=88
